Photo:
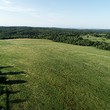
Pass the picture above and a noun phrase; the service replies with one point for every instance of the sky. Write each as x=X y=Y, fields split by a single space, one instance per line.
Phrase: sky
x=92 y=14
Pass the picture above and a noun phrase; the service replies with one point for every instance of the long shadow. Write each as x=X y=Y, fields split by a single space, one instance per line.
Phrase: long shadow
x=6 y=87
x=12 y=73
x=2 y=67
x=11 y=82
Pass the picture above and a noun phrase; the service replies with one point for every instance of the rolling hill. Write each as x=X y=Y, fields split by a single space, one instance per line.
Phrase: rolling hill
x=46 y=75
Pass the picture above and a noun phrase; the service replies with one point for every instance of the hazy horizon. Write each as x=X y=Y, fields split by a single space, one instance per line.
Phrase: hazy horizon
x=75 y=14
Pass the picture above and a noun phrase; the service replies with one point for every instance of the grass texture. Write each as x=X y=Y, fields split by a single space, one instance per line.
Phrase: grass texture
x=57 y=76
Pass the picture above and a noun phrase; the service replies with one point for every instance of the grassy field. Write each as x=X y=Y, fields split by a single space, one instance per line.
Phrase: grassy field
x=57 y=76
x=101 y=39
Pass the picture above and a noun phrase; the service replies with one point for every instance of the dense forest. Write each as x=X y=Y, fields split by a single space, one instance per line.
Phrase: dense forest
x=70 y=36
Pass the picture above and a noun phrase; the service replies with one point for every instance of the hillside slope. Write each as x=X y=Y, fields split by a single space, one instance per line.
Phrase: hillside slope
x=57 y=76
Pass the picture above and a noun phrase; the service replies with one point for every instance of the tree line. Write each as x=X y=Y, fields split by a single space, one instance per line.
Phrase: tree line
x=70 y=36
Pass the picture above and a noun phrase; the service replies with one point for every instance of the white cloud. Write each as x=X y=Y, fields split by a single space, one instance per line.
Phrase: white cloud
x=15 y=9
x=9 y=6
x=6 y=2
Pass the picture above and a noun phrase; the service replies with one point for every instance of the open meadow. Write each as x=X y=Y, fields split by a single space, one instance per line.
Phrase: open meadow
x=100 y=39
x=46 y=75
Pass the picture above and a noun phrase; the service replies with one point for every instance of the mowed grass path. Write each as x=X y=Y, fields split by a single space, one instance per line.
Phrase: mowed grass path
x=59 y=76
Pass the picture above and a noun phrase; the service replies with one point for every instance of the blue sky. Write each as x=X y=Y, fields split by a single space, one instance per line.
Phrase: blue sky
x=56 y=13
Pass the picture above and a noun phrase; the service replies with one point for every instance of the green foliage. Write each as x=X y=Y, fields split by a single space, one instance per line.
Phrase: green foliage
x=70 y=36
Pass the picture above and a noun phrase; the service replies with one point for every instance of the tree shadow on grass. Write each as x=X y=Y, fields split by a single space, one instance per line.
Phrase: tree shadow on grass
x=7 y=89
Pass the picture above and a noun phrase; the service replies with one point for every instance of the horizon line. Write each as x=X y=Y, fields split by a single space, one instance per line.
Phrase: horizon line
x=78 y=28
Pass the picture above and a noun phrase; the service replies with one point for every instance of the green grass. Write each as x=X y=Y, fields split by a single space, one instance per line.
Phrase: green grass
x=101 y=39
x=59 y=76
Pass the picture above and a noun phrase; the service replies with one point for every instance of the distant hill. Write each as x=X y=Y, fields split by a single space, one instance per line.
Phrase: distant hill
x=70 y=36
